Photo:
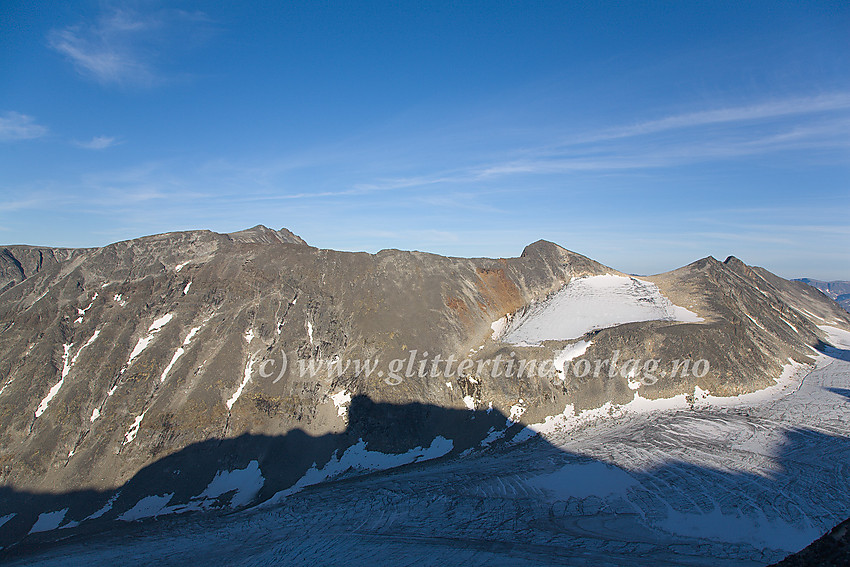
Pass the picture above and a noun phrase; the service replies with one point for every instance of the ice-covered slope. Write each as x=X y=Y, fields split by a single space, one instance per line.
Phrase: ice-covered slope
x=590 y=303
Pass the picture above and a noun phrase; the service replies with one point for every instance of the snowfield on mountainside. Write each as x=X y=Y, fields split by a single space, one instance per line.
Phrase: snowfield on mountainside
x=587 y=304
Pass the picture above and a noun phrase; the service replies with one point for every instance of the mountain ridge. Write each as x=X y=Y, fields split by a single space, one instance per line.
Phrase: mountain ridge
x=112 y=358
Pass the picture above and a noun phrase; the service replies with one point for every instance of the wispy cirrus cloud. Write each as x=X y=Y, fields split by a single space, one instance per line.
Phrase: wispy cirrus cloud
x=17 y=126
x=98 y=143
x=774 y=109
x=107 y=50
x=122 y=47
x=796 y=124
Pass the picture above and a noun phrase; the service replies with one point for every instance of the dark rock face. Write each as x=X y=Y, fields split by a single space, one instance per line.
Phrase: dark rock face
x=115 y=358
x=831 y=550
x=18 y=263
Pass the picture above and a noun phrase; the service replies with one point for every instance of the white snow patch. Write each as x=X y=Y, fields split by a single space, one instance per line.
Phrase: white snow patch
x=469 y=401
x=359 y=458
x=572 y=352
x=134 y=429
x=700 y=394
x=106 y=508
x=66 y=368
x=448 y=385
x=146 y=340
x=186 y=289
x=249 y=336
x=244 y=383
x=179 y=267
x=499 y=327
x=160 y=323
x=119 y=299
x=87 y=343
x=192 y=333
x=147 y=507
x=341 y=401
x=516 y=412
x=310 y=331
x=246 y=482
x=82 y=312
x=140 y=346
x=178 y=353
x=70 y=524
x=492 y=435
x=753 y=320
x=590 y=303
x=48 y=521
x=66 y=365
x=94 y=415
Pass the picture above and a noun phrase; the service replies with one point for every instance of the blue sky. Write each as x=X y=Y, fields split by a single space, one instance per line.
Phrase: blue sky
x=643 y=135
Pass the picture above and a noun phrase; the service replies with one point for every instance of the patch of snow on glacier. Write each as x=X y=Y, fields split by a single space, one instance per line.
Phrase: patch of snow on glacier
x=359 y=458
x=147 y=507
x=246 y=482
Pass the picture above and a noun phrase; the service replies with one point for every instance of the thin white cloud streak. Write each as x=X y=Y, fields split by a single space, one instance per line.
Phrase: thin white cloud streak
x=121 y=47
x=98 y=143
x=105 y=51
x=16 y=126
x=603 y=154
x=767 y=110
x=23 y=204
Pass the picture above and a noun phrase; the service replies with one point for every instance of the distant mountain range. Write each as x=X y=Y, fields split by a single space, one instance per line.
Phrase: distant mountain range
x=837 y=290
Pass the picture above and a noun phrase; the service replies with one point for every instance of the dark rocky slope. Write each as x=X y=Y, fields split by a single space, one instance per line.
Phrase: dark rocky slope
x=837 y=290
x=831 y=550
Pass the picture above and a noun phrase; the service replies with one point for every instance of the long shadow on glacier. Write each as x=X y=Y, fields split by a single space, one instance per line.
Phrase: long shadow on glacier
x=833 y=351
x=512 y=503
x=376 y=432
x=841 y=392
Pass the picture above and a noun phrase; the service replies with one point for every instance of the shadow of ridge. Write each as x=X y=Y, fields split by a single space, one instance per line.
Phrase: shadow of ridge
x=840 y=391
x=672 y=505
x=394 y=430
x=832 y=351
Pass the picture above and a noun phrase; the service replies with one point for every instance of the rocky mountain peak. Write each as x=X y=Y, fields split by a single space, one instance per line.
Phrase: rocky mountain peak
x=265 y=235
